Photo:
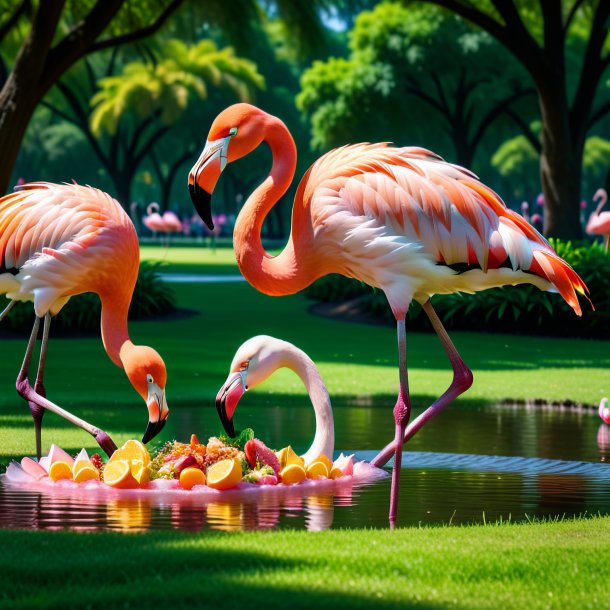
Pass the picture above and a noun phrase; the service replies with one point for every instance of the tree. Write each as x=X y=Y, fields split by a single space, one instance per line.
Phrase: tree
x=47 y=52
x=541 y=36
x=415 y=65
x=125 y=115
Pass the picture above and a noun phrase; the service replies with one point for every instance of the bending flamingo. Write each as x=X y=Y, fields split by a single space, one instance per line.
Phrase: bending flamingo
x=604 y=410
x=400 y=219
x=57 y=241
x=257 y=359
x=599 y=222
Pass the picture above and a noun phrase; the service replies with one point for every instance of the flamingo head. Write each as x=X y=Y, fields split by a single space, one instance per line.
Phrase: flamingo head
x=254 y=361
x=146 y=371
x=235 y=132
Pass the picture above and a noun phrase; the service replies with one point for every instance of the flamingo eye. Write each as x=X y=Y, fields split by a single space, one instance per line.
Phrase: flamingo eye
x=233 y=131
x=149 y=378
x=244 y=365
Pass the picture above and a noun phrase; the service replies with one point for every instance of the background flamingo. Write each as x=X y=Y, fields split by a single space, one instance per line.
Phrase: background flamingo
x=599 y=222
x=604 y=410
x=400 y=219
x=57 y=241
x=166 y=224
x=257 y=359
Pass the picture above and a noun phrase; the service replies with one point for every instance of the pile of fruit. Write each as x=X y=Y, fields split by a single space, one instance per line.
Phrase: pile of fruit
x=220 y=464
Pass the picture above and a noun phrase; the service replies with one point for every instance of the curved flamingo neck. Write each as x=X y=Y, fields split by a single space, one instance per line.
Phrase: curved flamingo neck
x=603 y=196
x=115 y=334
x=304 y=367
x=289 y=271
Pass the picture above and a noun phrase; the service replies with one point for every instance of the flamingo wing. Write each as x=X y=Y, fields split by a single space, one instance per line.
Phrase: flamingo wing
x=425 y=221
x=55 y=240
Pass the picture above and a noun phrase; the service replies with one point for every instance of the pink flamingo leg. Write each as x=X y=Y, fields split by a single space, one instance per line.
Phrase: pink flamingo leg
x=5 y=311
x=462 y=380
x=36 y=410
x=27 y=392
x=402 y=411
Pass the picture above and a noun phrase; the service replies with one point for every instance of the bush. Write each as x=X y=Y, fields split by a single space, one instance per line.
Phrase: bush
x=151 y=297
x=514 y=309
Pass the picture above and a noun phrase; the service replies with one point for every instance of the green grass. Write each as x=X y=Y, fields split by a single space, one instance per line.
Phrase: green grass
x=549 y=565
x=556 y=565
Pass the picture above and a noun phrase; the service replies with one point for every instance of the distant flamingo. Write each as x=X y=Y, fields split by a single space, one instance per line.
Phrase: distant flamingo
x=168 y=223
x=604 y=410
x=400 y=219
x=57 y=241
x=256 y=360
x=599 y=222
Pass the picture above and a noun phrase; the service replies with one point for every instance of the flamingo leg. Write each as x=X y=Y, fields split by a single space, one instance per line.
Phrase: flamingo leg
x=26 y=391
x=462 y=380
x=402 y=410
x=36 y=410
x=5 y=311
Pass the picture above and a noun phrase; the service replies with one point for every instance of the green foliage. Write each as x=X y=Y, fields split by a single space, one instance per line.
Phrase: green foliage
x=510 y=309
x=151 y=297
x=239 y=442
x=165 y=87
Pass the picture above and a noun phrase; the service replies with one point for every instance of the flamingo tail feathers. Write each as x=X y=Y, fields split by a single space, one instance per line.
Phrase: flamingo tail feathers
x=567 y=282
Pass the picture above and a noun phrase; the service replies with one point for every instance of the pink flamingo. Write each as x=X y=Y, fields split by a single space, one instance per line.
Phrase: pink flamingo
x=60 y=240
x=154 y=221
x=400 y=219
x=604 y=410
x=599 y=222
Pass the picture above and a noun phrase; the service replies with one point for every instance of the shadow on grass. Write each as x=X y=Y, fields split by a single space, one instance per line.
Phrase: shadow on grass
x=201 y=571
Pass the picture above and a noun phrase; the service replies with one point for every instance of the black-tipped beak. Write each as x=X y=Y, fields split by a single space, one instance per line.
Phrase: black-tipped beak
x=227 y=423
x=153 y=429
x=202 y=200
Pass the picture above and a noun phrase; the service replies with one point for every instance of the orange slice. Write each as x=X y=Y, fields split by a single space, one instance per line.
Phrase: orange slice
x=190 y=477
x=140 y=471
x=324 y=459
x=224 y=474
x=293 y=474
x=117 y=473
x=317 y=470
x=86 y=473
x=132 y=450
x=60 y=470
x=287 y=456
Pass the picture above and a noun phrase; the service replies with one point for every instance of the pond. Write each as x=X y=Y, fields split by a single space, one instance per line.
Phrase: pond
x=469 y=465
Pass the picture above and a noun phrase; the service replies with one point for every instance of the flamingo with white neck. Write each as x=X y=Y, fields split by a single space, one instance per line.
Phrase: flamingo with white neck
x=256 y=360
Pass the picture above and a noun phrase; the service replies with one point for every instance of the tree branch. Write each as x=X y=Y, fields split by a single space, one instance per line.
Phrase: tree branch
x=12 y=21
x=577 y=4
x=525 y=129
x=137 y=34
x=599 y=114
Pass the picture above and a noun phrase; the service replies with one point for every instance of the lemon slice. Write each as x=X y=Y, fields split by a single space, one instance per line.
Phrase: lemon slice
x=324 y=459
x=132 y=450
x=293 y=474
x=86 y=473
x=288 y=456
x=317 y=470
x=224 y=474
x=190 y=477
x=117 y=473
x=60 y=470
x=140 y=471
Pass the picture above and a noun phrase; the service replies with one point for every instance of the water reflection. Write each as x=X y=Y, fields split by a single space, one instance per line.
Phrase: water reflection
x=536 y=474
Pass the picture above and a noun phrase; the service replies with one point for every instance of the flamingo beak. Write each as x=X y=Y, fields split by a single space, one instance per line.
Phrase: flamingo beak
x=227 y=398
x=204 y=175
x=158 y=412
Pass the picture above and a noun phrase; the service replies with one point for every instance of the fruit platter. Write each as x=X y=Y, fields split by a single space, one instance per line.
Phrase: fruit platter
x=221 y=465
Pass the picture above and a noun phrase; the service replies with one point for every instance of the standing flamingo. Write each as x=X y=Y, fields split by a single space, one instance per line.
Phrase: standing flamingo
x=599 y=222
x=400 y=219
x=604 y=410
x=257 y=359
x=57 y=241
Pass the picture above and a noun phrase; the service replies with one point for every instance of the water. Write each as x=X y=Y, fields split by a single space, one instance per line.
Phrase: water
x=469 y=465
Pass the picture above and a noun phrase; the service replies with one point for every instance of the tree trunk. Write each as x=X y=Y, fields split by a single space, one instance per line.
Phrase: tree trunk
x=560 y=167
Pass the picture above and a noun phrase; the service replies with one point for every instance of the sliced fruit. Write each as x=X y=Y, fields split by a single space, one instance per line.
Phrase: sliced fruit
x=287 y=456
x=131 y=450
x=293 y=474
x=224 y=474
x=57 y=454
x=190 y=477
x=317 y=470
x=117 y=473
x=140 y=472
x=60 y=470
x=33 y=468
x=80 y=461
x=87 y=473
x=324 y=459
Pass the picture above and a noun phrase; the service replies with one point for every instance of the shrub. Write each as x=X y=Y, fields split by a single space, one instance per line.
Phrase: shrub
x=515 y=309
x=151 y=297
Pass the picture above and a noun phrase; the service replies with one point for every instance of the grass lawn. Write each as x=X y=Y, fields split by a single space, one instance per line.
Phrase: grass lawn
x=557 y=565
